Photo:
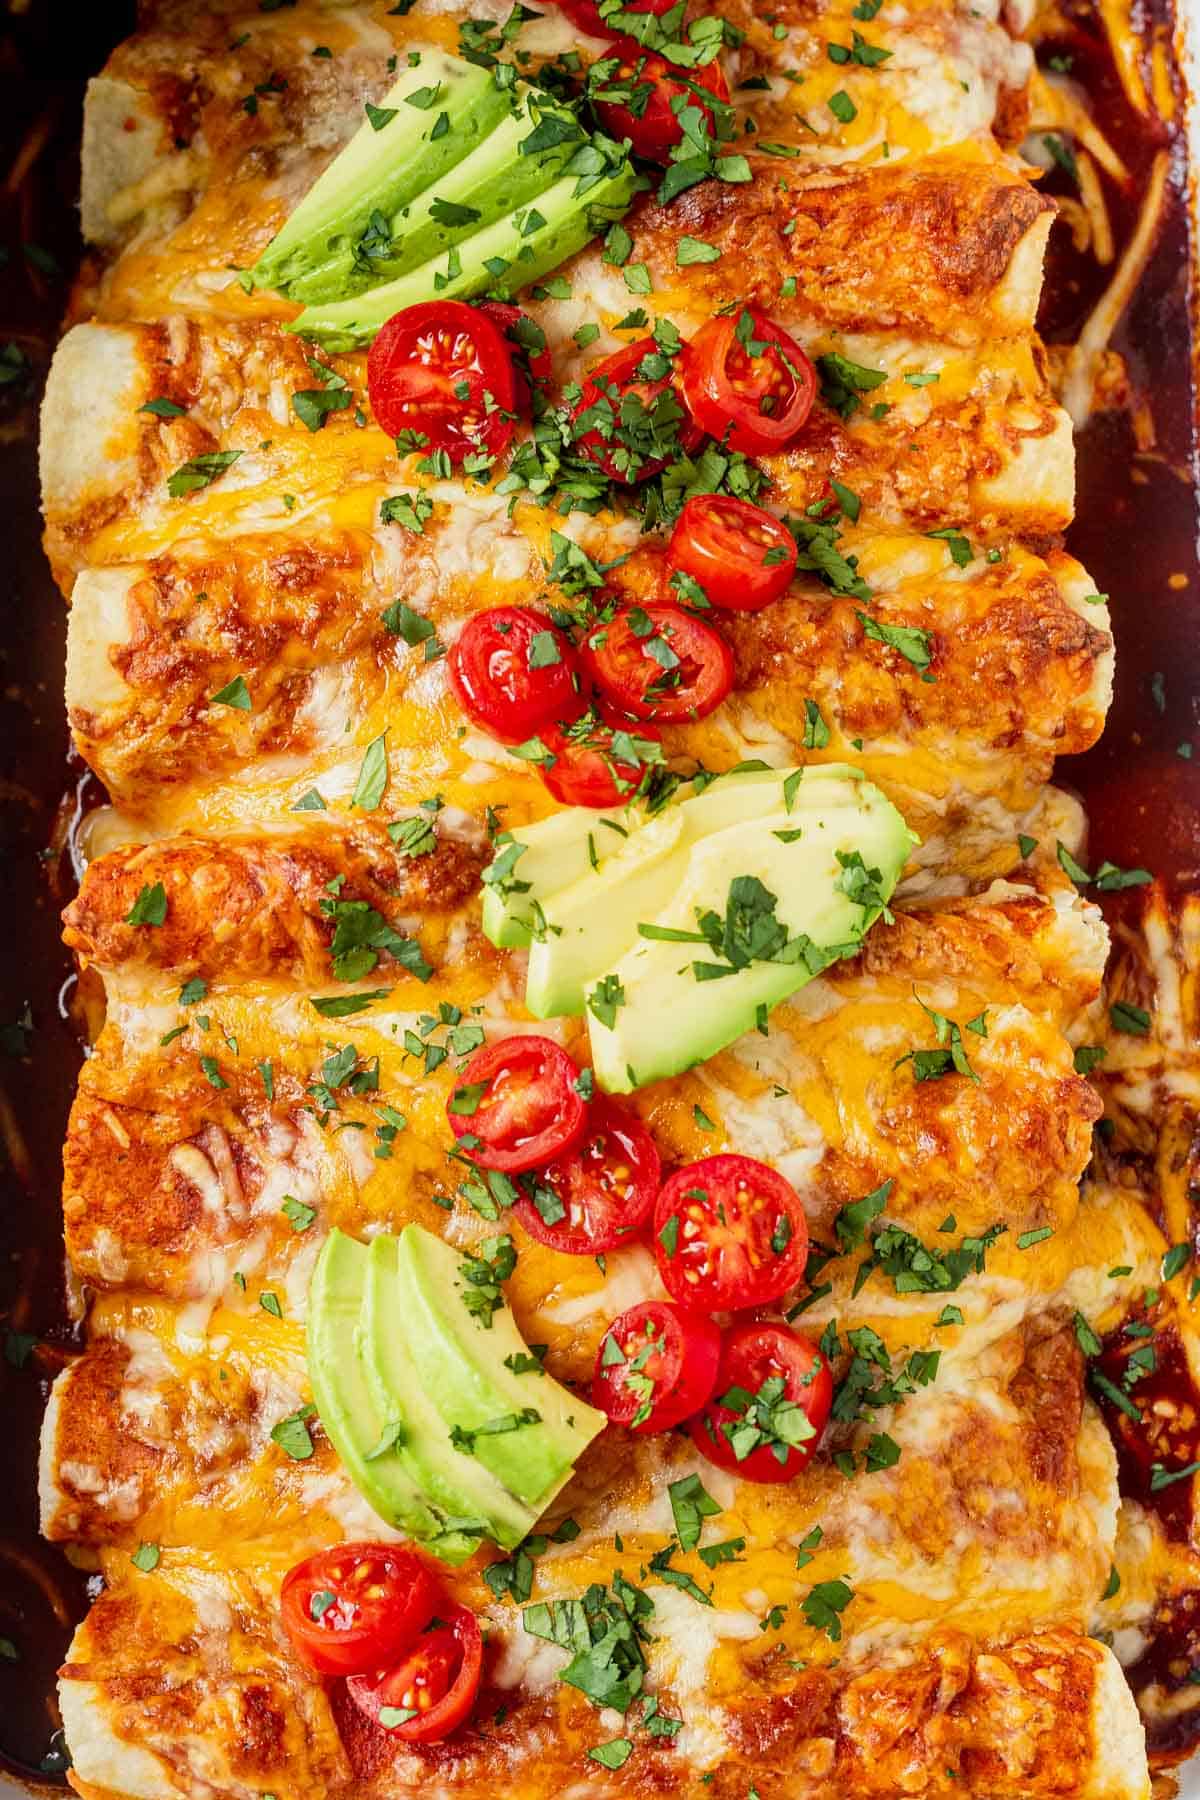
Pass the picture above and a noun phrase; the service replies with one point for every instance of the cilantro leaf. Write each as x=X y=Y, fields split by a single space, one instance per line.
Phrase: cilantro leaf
x=200 y=472
x=150 y=907
x=691 y=1504
x=824 y=1604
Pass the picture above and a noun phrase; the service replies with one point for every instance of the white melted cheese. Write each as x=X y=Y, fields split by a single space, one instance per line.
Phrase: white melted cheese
x=685 y=1637
x=339 y=1497
x=475 y=536
x=525 y=1661
x=771 y=1126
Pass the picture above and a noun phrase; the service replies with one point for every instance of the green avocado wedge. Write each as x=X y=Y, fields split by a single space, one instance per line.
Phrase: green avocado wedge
x=499 y=176
x=463 y=180
x=354 y=1426
x=779 y=898
x=470 y=1360
x=443 y=1419
x=541 y=859
x=533 y=862
x=432 y=117
x=687 y=925
x=586 y=926
x=453 y=1481
x=595 y=188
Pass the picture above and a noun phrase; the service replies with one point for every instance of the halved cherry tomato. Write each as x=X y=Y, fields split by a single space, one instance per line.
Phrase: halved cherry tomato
x=656 y=1366
x=602 y=1192
x=586 y=14
x=770 y=1403
x=512 y=671
x=419 y=365
x=352 y=1606
x=650 y=93
x=518 y=1104
x=729 y=1232
x=429 y=1694
x=742 y=557
x=658 y=662
x=596 y=763
x=747 y=382
x=521 y=333
x=623 y=422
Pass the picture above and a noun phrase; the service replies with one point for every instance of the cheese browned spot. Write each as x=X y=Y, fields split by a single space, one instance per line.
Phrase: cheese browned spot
x=972 y=236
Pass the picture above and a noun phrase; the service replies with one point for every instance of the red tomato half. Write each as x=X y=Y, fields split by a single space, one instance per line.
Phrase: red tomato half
x=352 y=1606
x=421 y=361
x=512 y=671
x=602 y=1192
x=657 y=1364
x=586 y=14
x=623 y=425
x=427 y=1695
x=770 y=1403
x=654 y=92
x=658 y=662
x=518 y=1104
x=742 y=557
x=747 y=382
x=729 y=1233
x=595 y=763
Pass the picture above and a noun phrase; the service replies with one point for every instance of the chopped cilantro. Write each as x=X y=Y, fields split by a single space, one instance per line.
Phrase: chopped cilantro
x=343 y=1006
x=691 y=1504
x=482 y=1271
x=298 y=1215
x=200 y=472
x=292 y=1434
x=235 y=694
x=372 y=775
x=824 y=1604
x=1128 y=1018
x=910 y=641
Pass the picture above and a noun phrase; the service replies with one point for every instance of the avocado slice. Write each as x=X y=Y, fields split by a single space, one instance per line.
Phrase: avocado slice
x=384 y=170
x=587 y=925
x=494 y=179
x=404 y=1375
x=561 y=848
x=457 y=1484
x=470 y=1366
x=347 y=1411
x=554 y=852
x=666 y=1019
x=500 y=258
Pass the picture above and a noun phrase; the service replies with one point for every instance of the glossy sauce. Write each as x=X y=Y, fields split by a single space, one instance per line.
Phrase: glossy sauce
x=1136 y=531
x=1137 y=520
x=1158 y=1460
x=1147 y=1367
x=1166 y=1679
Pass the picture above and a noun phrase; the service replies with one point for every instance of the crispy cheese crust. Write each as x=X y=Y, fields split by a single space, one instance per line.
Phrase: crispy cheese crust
x=907 y=238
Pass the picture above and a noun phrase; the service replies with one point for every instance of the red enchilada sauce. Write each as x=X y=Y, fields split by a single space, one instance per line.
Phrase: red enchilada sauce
x=1158 y=1457
x=1136 y=530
